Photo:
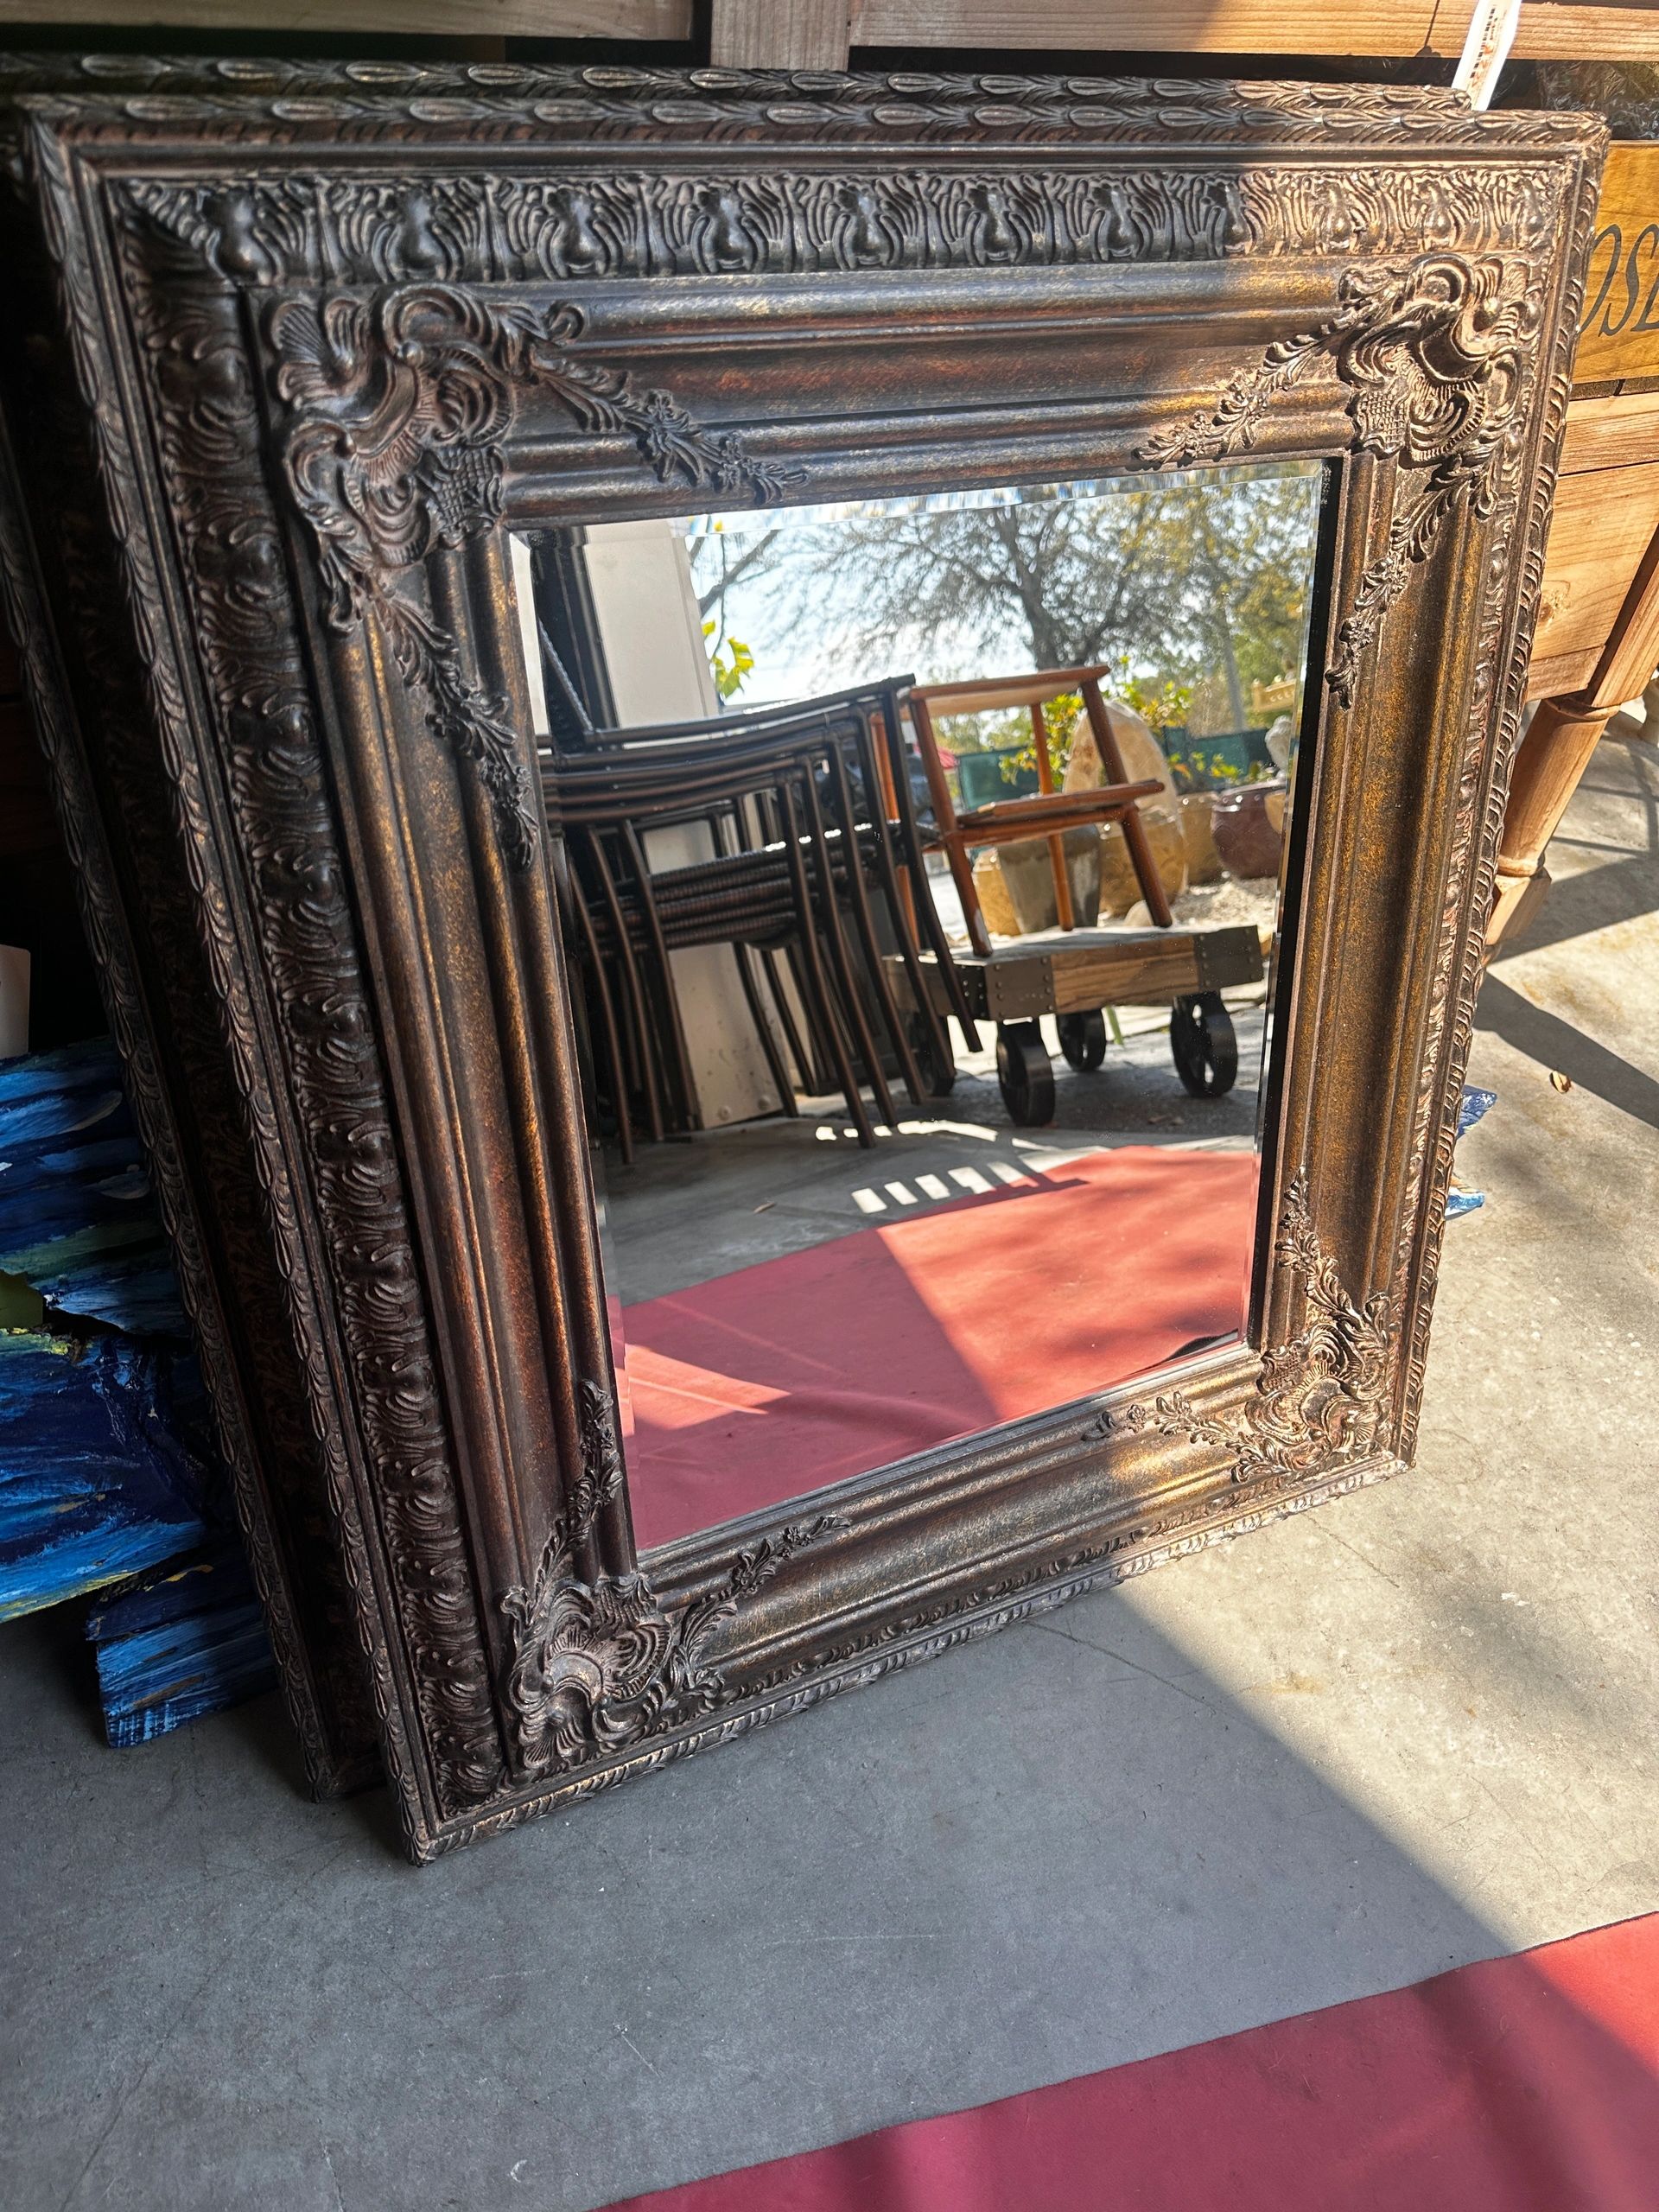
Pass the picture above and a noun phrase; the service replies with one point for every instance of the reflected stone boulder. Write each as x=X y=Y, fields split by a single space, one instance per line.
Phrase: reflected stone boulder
x=1142 y=755
x=1202 y=860
x=1120 y=887
x=1028 y=876
x=994 y=904
x=1143 y=762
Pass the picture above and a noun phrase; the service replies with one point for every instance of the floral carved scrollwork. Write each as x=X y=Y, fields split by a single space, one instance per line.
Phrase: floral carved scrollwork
x=601 y=1476
x=1322 y=1400
x=596 y=1666
x=393 y=450
x=276 y=230
x=1435 y=358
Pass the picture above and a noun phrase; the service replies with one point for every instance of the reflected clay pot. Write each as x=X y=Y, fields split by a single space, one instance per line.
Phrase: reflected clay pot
x=1248 y=826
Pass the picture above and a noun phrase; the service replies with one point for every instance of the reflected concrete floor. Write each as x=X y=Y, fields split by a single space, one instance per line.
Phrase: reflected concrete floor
x=1411 y=1729
x=685 y=1213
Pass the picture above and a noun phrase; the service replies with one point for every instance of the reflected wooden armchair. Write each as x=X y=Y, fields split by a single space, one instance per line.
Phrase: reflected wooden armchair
x=1052 y=811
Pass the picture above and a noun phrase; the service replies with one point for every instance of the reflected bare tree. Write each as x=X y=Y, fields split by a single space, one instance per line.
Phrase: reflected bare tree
x=1174 y=582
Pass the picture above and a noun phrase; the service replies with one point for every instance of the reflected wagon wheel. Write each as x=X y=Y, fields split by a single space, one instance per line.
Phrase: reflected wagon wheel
x=1024 y=1075
x=1204 y=1045
x=1083 y=1039
x=939 y=1077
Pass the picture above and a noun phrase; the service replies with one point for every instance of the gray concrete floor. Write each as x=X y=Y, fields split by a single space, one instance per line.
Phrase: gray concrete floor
x=1412 y=1729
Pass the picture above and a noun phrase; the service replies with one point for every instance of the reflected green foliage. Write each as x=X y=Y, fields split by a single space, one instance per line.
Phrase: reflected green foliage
x=1192 y=585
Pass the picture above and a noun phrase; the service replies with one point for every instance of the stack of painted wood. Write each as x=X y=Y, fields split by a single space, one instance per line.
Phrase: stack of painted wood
x=184 y=1639
x=109 y=1481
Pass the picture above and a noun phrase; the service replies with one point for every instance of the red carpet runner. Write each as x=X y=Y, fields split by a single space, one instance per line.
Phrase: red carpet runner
x=779 y=1378
x=1526 y=2084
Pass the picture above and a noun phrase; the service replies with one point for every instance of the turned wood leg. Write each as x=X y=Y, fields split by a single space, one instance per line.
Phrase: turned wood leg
x=1552 y=755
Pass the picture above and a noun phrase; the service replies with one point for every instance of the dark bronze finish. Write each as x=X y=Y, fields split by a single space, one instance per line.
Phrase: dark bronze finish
x=293 y=347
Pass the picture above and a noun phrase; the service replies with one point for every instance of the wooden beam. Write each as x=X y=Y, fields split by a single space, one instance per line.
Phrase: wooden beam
x=780 y=34
x=1618 y=432
x=1158 y=26
x=468 y=20
x=1564 y=733
x=1552 y=30
x=1549 y=30
x=985 y=694
x=1631 y=653
x=1552 y=676
x=814 y=34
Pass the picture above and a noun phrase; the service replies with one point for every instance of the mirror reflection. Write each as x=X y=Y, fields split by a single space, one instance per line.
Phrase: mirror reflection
x=920 y=865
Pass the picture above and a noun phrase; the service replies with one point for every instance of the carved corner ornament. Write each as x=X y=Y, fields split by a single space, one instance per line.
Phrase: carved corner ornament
x=1320 y=1400
x=593 y=1666
x=1434 y=356
x=399 y=405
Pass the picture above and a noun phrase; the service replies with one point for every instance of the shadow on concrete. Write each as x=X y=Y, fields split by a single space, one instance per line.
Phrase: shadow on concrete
x=1058 y=1851
x=1597 y=899
x=1625 y=771
x=1556 y=1044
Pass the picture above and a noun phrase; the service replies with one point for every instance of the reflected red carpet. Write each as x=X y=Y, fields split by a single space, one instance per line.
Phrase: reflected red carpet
x=1526 y=2084
x=774 y=1381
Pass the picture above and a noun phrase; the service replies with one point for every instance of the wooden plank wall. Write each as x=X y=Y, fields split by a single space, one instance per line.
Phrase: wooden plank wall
x=1607 y=503
x=468 y=21
x=818 y=33
x=1549 y=30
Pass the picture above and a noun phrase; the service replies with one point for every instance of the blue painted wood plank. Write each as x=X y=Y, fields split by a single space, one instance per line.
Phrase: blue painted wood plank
x=156 y=1681
x=96 y=1478
x=179 y=1642
x=109 y=1475
x=78 y=1218
x=215 y=1574
x=1461 y=1198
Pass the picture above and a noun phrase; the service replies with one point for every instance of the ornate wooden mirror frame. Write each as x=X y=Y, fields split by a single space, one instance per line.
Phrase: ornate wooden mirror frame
x=297 y=345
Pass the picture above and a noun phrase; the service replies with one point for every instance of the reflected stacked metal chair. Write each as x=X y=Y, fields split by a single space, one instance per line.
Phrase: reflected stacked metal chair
x=817 y=849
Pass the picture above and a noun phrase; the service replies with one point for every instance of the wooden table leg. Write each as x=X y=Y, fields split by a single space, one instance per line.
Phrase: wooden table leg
x=1556 y=750
x=1552 y=757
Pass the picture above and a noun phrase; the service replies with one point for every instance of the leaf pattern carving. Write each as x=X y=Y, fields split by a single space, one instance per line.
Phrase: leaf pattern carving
x=398 y=406
x=596 y=1666
x=271 y=231
x=1320 y=1401
x=1434 y=357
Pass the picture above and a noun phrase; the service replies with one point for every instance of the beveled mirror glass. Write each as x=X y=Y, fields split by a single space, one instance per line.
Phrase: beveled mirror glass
x=842 y=1229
